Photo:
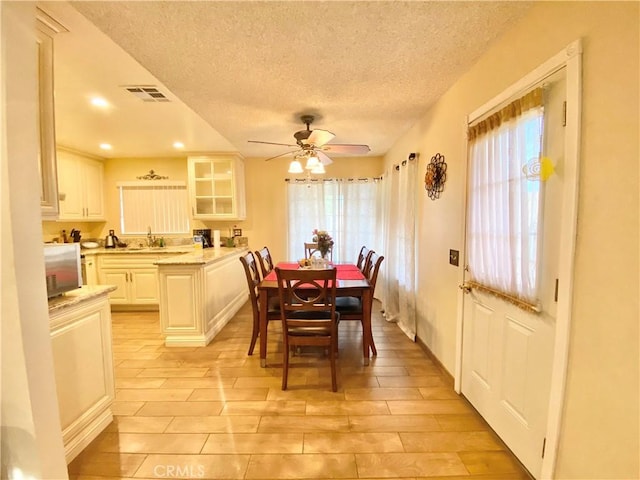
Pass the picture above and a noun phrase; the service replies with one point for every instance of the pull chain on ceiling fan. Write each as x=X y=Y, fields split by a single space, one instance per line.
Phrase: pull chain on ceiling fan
x=310 y=147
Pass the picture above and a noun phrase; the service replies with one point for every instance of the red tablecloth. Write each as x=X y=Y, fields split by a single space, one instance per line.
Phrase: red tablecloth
x=347 y=271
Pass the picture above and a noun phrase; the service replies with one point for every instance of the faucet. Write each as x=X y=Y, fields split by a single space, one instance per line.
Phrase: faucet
x=151 y=240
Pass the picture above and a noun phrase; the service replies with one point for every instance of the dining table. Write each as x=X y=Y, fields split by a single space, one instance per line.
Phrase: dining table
x=350 y=283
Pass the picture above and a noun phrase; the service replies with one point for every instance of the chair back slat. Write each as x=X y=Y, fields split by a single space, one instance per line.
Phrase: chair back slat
x=266 y=262
x=375 y=261
x=364 y=252
x=307 y=290
x=368 y=263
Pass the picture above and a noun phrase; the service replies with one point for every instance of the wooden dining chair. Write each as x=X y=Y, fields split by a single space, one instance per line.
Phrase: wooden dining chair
x=363 y=258
x=265 y=260
x=253 y=279
x=350 y=308
x=311 y=249
x=308 y=313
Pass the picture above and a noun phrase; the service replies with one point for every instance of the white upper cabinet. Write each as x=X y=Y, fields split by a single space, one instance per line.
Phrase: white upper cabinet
x=216 y=187
x=47 y=27
x=81 y=187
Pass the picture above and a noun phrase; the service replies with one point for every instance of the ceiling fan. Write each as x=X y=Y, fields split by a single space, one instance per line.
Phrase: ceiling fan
x=314 y=143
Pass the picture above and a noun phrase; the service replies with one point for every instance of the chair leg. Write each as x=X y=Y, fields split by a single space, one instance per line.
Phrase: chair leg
x=254 y=335
x=332 y=357
x=374 y=352
x=285 y=365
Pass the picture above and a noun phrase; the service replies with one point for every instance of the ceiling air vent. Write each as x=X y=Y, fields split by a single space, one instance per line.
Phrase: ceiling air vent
x=147 y=93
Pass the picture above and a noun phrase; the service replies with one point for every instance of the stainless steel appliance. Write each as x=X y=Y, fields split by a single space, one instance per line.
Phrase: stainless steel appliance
x=62 y=267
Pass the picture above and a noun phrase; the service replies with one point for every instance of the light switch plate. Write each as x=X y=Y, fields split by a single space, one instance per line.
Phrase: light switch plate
x=454 y=257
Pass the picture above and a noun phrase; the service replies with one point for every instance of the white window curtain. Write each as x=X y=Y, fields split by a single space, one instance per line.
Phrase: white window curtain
x=398 y=272
x=346 y=208
x=504 y=202
x=160 y=205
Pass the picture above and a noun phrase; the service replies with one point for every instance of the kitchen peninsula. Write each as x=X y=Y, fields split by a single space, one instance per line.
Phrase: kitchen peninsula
x=199 y=293
x=80 y=326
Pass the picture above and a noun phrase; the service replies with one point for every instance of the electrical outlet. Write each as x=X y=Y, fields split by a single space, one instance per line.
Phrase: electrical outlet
x=454 y=257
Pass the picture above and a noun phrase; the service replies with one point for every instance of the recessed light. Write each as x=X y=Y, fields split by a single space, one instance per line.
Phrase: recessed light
x=178 y=145
x=99 y=102
x=105 y=146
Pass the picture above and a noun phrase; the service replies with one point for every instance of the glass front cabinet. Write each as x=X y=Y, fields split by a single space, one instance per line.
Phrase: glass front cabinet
x=216 y=187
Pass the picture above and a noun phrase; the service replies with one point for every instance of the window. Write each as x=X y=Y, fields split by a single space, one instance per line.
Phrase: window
x=346 y=208
x=159 y=205
x=504 y=204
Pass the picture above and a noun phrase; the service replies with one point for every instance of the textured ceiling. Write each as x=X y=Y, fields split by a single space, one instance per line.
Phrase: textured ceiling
x=367 y=70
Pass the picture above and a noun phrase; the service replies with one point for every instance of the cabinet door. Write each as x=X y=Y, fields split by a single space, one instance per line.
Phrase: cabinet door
x=90 y=270
x=119 y=278
x=93 y=190
x=70 y=186
x=213 y=187
x=144 y=286
x=47 y=145
x=240 y=204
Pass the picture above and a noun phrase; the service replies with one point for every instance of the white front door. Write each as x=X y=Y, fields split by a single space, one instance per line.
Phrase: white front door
x=507 y=352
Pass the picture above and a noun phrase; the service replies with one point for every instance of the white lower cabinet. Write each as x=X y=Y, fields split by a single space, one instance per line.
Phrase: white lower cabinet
x=83 y=368
x=135 y=276
x=90 y=270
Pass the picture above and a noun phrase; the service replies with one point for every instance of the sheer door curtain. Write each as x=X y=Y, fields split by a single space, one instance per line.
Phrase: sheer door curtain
x=398 y=269
x=346 y=208
x=504 y=214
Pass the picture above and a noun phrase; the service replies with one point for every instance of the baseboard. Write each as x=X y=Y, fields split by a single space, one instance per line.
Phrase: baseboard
x=75 y=445
x=121 y=307
x=447 y=376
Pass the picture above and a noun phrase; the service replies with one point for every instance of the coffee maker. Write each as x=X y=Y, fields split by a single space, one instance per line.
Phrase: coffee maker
x=205 y=233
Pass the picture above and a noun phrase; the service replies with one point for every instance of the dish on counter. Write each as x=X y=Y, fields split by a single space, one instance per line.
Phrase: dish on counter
x=90 y=244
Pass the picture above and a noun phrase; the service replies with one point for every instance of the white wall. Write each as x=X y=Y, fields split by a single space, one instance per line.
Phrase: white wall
x=31 y=436
x=599 y=433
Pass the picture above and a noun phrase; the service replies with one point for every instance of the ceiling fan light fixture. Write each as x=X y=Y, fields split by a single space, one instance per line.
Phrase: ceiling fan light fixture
x=312 y=162
x=295 y=167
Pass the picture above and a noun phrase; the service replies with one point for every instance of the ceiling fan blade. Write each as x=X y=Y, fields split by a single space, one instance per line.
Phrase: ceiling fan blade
x=346 y=148
x=281 y=155
x=273 y=143
x=324 y=159
x=319 y=137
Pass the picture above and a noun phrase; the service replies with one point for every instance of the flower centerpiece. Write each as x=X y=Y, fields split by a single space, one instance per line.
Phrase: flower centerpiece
x=324 y=240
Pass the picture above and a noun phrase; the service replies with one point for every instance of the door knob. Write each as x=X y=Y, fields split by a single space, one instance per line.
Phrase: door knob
x=465 y=288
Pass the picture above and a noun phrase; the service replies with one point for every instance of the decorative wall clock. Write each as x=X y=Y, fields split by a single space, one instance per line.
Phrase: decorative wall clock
x=436 y=176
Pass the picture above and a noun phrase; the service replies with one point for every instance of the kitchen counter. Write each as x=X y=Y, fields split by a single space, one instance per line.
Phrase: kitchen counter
x=77 y=296
x=80 y=329
x=199 y=293
x=177 y=249
x=202 y=257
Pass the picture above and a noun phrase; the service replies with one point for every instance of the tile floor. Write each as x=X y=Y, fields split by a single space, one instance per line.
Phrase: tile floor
x=213 y=412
